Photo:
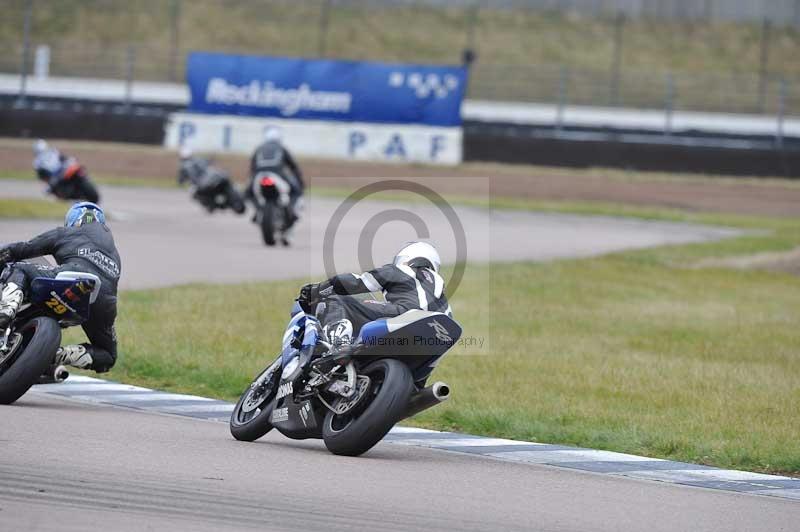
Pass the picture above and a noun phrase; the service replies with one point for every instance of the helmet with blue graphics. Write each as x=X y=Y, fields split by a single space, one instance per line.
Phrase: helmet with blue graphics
x=418 y=255
x=83 y=213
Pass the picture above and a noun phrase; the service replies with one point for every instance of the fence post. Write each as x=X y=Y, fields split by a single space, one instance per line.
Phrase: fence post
x=130 y=67
x=563 y=84
x=783 y=94
x=763 y=64
x=324 y=17
x=175 y=35
x=26 y=46
x=472 y=23
x=669 y=103
x=616 y=61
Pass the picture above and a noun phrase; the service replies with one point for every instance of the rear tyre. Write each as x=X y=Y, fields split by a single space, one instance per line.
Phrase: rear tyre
x=355 y=432
x=88 y=191
x=250 y=419
x=268 y=212
x=235 y=200
x=40 y=339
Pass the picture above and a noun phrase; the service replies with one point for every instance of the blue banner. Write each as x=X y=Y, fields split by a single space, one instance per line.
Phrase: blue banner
x=325 y=89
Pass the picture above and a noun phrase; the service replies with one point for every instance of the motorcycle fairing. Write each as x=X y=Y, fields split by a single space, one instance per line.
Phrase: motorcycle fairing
x=420 y=336
x=67 y=300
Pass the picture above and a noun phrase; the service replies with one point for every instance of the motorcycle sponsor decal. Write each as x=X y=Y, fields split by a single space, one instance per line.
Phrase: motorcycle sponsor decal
x=442 y=334
x=280 y=414
x=57 y=304
x=305 y=410
x=100 y=260
x=284 y=390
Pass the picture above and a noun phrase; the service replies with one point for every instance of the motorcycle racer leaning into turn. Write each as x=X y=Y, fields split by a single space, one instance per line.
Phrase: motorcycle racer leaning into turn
x=84 y=244
x=410 y=282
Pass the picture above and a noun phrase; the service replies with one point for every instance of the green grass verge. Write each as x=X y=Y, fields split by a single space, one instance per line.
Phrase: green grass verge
x=121 y=181
x=632 y=352
x=31 y=209
x=715 y=63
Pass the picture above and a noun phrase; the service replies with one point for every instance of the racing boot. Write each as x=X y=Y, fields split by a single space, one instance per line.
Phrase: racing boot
x=339 y=334
x=10 y=300
x=76 y=356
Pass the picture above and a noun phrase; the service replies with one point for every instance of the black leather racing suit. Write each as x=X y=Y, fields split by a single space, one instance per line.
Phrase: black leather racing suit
x=88 y=248
x=272 y=156
x=404 y=288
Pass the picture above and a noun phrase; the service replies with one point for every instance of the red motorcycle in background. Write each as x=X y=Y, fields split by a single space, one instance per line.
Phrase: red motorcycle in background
x=66 y=178
x=71 y=182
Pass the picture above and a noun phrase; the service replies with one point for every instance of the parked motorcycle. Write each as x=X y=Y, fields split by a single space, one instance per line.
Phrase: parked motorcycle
x=29 y=344
x=352 y=396
x=274 y=212
x=72 y=183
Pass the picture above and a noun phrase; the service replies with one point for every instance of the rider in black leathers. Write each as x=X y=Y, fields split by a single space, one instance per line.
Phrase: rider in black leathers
x=411 y=282
x=272 y=156
x=85 y=244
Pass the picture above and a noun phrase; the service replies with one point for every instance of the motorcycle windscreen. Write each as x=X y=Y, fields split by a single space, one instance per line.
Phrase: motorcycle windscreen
x=414 y=333
x=66 y=300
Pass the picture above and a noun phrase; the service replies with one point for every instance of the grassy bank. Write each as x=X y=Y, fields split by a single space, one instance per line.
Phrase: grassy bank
x=636 y=352
x=519 y=50
x=32 y=208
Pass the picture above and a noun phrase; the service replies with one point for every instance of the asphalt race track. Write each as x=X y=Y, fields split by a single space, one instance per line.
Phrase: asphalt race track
x=74 y=465
x=165 y=239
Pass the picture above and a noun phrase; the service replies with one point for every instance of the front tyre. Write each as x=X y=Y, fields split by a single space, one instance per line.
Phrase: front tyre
x=357 y=431
x=250 y=419
x=21 y=368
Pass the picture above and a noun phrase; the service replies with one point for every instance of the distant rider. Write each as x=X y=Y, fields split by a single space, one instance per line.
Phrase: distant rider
x=272 y=156
x=411 y=281
x=192 y=169
x=84 y=244
x=48 y=162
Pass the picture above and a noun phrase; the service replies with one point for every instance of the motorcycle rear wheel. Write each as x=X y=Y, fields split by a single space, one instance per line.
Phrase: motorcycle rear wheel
x=40 y=339
x=88 y=191
x=268 y=226
x=357 y=431
x=235 y=200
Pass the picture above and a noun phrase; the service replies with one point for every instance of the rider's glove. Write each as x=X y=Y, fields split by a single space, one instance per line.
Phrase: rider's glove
x=5 y=257
x=310 y=293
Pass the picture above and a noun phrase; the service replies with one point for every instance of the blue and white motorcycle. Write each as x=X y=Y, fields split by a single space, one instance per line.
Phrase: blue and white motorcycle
x=28 y=346
x=352 y=396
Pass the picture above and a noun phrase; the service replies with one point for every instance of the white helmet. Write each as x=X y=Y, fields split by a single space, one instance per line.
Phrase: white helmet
x=185 y=152
x=272 y=134
x=39 y=146
x=418 y=255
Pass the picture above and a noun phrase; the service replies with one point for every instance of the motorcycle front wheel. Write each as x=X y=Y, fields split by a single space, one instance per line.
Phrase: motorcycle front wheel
x=35 y=346
x=250 y=418
x=358 y=430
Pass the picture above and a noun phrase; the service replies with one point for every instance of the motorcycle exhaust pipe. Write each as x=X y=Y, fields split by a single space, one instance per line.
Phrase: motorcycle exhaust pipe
x=437 y=393
x=54 y=375
x=60 y=374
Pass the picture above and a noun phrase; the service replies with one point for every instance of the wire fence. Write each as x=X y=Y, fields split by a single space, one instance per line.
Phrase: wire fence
x=628 y=53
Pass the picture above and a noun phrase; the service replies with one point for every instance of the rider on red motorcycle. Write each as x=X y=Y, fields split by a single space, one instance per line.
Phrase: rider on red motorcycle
x=56 y=169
